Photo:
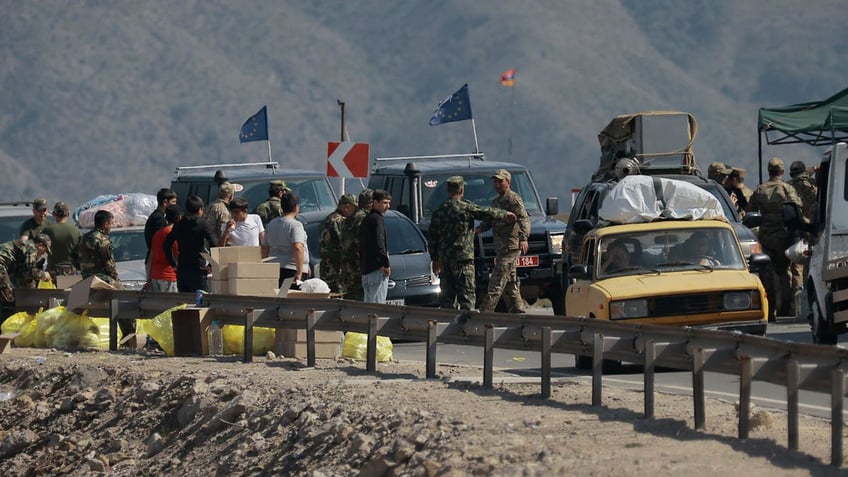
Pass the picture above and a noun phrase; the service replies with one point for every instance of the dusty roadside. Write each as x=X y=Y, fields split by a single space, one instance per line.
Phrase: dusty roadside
x=137 y=414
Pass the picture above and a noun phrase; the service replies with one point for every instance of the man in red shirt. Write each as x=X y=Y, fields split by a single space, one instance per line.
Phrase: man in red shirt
x=161 y=275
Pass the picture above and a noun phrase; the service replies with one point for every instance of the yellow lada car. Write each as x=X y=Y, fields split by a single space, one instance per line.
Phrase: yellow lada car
x=669 y=272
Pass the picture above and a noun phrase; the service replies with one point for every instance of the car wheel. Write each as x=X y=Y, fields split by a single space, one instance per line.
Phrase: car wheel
x=822 y=331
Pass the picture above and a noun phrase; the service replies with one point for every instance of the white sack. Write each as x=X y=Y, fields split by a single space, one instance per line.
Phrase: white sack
x=634 y=200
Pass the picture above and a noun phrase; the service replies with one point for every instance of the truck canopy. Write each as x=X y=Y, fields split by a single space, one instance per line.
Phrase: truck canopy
x=815 y=123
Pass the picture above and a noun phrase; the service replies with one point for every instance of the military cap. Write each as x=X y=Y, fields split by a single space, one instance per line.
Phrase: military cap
x=502 y=174
x=43 y=239
x=737 y=172
x=796 y=168
x=39 y=204
x=225 y=189
x=365 y=198
x=60 y=209
x=719 y=168
x=775 y=164
x=456 y=181
x=347 y=199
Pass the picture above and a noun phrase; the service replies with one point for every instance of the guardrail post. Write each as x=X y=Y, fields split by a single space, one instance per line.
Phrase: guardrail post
x=371 y=352
x=432 y=334
x=597 y=367
x=546 y=362
x=793 y=378
x=650 y=356
x=249 y=319
x=310 y=338
x=698 y=386
x=113 y=325
x=836 y=419
x=745 y=373
x=489 y=355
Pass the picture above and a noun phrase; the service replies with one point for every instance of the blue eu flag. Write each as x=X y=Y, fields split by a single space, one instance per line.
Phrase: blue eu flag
x=255 y=128
x=456 y=107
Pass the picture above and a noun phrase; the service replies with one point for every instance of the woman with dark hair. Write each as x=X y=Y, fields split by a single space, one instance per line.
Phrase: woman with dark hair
x=285 y=239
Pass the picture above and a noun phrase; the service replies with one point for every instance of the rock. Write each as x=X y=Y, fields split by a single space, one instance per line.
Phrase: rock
x=16 y=441
x=145 y=390
x=762 y=420
x=155 y=444
x=270 y=355
x=95 y=465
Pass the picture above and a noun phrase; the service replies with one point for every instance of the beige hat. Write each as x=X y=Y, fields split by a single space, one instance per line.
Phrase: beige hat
x=719 y=168
x=456 y=181
x=775 y=164
x=502 y=174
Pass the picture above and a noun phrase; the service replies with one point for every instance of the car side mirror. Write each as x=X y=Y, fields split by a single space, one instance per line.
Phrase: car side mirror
x=552 y=205
x=579 y=272
x=758 y=262
x=752 y=219
x=583 y=226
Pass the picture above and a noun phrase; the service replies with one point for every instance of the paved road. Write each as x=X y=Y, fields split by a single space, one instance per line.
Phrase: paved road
x=721 y=386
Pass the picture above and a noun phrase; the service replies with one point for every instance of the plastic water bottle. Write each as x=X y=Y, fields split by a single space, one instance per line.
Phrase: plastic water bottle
x=216 y=339
x=198 y=297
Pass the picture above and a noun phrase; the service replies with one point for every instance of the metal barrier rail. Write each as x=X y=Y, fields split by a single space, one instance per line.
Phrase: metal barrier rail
x=793 y=365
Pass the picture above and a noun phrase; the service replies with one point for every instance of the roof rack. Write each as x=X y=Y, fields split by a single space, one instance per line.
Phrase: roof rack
x=269 y=165
x=478 y=156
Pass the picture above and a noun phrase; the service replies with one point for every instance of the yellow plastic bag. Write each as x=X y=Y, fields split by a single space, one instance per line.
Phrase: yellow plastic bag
x=356 y=347
x=27 y=331
x=45 y=326
x=16 y=322
x=103 y=332
x=75 y=331
x=263 y=339
x=161 y=329
x=46 y=284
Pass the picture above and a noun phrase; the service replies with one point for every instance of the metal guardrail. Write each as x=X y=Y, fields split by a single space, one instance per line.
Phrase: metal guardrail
x=795 y=366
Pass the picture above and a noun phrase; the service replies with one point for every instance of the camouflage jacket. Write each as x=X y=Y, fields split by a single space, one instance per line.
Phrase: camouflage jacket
x=269 y=210
x=768 y=199
x=217 y=214
x=508 y=235
x=451 y=233
x=331 y=246
x=806 y=189
x=20 y=260
x=94 y=257
x=350 y=241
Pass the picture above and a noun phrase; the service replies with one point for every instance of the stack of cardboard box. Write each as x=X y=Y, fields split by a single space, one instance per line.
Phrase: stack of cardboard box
x=241 y=271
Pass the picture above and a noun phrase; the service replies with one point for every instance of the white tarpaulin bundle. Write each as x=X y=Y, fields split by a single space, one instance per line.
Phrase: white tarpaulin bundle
x=635 y=199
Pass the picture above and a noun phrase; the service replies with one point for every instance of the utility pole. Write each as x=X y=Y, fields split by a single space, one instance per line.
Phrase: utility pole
x=342 y=106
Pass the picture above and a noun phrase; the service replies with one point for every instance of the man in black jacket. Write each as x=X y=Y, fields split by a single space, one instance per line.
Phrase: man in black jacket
x=193 y=236
x=373 y=251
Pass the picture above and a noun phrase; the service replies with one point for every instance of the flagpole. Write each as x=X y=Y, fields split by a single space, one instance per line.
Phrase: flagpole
x=474 y=129
x=511 y=112
x=269 y=150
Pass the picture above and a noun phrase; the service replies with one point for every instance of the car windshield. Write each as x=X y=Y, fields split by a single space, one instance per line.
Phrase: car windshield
x=128 y=244
x=314 y=194
x=10 y=227
x=401 y=235
x=670 y=249
x=478 y=189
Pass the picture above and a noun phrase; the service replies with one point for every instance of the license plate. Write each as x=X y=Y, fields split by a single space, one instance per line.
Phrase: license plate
x=527 y=261
x=399 y=302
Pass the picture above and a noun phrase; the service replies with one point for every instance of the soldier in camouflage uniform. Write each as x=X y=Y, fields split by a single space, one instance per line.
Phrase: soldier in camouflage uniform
x=271 y=208
x=35 y=224
x=451 y=238
x=768 y=199
x=806 y=188
x=22 y=266
x=94 y=254
x=511 y=241
x=718 y=171
x=351 y=270
x=218 y=212
x=331 y=245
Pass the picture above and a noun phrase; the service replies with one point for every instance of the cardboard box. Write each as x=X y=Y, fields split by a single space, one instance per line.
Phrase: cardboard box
x=78 y=296
x=219 y=287
x=190 y=327
x=321 y=336
x=252 y=286
x=63 y=282
x=254 y=270
x=222 y=257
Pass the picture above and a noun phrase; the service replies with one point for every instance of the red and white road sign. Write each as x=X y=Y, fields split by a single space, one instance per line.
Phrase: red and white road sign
x=347 y=159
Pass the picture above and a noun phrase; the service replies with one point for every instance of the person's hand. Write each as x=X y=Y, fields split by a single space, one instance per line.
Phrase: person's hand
x=734 y=198
x=511 y=218
x=523 y=246
x=231 y=225
x=478 y=231
x=437 y=265
x=387 y=271
x=147 y=286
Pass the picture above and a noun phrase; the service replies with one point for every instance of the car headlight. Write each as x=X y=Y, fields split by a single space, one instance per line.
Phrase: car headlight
x=623 y=309
x=741 y=300
x=556 y=243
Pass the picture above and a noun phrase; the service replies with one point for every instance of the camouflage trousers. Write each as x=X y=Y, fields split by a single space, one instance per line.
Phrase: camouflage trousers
x=351 y=283
x=7 y=293
x=333 y=278
x=504 y=284
x=458 y=285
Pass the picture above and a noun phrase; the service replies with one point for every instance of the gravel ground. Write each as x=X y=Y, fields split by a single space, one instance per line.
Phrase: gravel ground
x=133 y=413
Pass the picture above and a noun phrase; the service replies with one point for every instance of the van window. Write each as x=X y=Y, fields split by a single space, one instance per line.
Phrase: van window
x=314 y=194
x=478 y=190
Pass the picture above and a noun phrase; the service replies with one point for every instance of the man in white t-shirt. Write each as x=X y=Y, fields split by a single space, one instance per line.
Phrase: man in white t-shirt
x=242 y=228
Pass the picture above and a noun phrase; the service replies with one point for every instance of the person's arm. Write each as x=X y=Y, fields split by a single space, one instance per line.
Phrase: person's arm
x=109 y=266
x=225 y=233
x=297 y=254
x=382 y=252
x=167 y=244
